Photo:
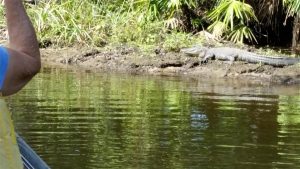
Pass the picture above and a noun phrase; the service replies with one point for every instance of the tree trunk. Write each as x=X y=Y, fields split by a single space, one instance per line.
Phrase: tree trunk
x=296 y=35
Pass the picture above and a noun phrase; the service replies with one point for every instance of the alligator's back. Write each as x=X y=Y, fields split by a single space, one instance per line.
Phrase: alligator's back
x=225 y=53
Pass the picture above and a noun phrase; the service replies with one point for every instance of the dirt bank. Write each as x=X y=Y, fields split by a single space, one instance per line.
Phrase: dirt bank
x=131 y=60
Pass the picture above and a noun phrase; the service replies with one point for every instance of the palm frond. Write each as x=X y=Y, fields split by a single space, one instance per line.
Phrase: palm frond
x=218 y=28
x=228 y=16
x=293 y=6
x=240 y=33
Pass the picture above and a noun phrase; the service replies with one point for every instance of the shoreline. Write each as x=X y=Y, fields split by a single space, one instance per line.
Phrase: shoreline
x=131 y=60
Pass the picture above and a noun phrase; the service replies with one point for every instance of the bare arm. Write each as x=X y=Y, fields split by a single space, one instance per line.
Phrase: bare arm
x=23 y=48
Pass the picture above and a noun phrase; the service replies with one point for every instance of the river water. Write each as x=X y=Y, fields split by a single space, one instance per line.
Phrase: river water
x=83 y=120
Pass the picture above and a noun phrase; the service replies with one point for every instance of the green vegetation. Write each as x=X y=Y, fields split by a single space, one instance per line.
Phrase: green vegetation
x=100 y=23
x=231 y=18
x=166 y=23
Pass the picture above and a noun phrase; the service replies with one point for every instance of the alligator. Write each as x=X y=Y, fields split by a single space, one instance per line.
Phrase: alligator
x=233 y=54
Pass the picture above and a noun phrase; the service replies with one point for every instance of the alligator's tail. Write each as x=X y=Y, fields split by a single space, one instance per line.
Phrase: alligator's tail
x=274 y=61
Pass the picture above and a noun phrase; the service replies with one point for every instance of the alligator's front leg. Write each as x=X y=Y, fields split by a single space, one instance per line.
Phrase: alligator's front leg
x=231 y=60
x=206 y=58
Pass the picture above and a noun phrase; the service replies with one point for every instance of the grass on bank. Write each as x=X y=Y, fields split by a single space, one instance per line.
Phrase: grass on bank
x=75 y=22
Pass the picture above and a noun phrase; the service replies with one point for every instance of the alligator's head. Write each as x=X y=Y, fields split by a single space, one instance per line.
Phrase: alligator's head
x=195 y=50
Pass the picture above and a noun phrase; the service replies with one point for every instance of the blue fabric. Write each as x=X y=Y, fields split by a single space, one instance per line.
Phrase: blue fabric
x=4 y=59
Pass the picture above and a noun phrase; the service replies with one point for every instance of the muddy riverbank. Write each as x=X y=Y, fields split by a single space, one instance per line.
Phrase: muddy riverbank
x=158 y=62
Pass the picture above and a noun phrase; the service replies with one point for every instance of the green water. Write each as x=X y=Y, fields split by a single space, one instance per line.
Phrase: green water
x=81 y=120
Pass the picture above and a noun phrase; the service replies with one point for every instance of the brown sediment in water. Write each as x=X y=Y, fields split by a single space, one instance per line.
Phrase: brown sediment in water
x=131 y=60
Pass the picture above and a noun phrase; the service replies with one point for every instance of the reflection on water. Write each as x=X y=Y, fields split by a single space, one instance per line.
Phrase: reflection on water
x=83 y=120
